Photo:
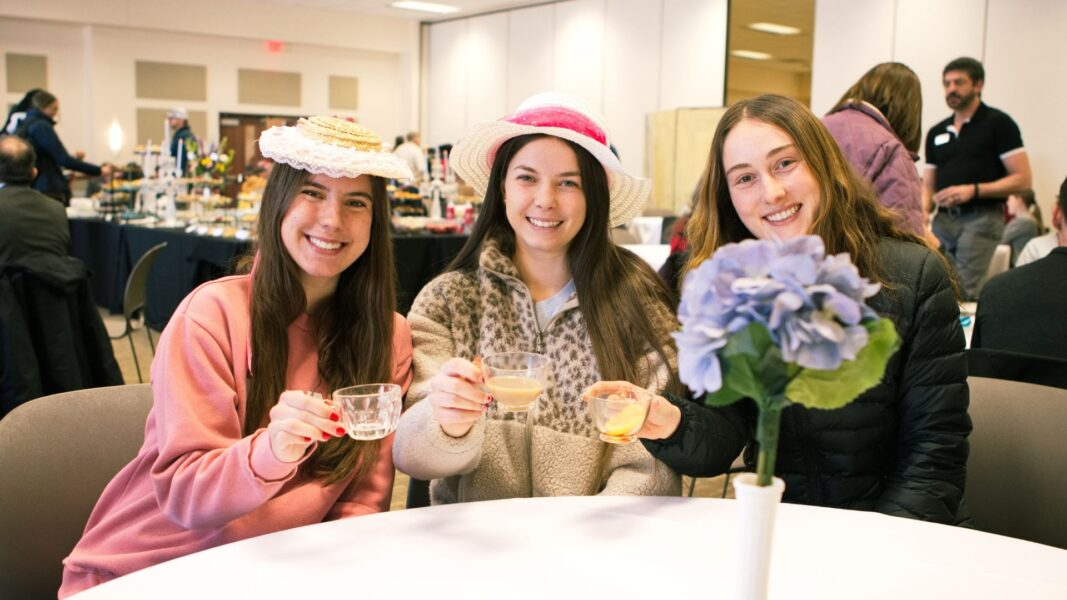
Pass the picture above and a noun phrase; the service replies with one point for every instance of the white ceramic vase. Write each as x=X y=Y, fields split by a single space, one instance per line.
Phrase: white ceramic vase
x=758 y=506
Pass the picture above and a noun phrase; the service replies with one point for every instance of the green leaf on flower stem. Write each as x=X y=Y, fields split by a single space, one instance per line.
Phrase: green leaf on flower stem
x=752 y=367
x=817 y=388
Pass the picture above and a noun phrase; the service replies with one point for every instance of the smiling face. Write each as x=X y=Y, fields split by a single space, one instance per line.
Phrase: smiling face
x=771 y=187
x=326 y=229
x=544 y=198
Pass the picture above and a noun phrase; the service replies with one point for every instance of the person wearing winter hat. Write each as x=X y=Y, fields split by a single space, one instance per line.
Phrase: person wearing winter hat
x=539 y=274
x=242 y=439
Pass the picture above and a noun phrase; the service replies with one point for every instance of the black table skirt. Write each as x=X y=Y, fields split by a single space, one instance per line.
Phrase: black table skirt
x=111 y=250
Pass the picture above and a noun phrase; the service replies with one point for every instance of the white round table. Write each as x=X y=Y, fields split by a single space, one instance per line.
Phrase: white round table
x=610 y=547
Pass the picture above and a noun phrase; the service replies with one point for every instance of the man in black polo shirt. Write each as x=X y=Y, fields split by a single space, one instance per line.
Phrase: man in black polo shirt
x=974 y=159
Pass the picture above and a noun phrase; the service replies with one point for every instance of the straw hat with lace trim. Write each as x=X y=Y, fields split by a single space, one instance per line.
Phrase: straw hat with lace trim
x=334 y=147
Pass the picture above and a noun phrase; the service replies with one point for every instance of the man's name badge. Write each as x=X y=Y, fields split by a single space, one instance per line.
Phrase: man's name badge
x=942 y=138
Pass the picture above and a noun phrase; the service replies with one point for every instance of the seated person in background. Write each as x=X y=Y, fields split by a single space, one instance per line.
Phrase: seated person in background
x=1024 y=225
x=228 y=455
x=1040 y=246
x=877 y=123
x=1021 y=310
x=538 y=274
x=30 y=222
x=901 y=449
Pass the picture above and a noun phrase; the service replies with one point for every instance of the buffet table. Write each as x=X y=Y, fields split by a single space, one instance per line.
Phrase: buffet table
x=111 y=250
x=611 y=547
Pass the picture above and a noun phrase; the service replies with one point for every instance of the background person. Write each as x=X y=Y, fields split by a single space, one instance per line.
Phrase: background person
x=1025 y=223
x=39 y=129
x=1021 y=311
x=411 y=152
x=18 y=112
x=538 y=274
x=974 y=160
x=774 y=172
x=30 y=222
x=178 y=119
x=240 y=441
x=877 y=124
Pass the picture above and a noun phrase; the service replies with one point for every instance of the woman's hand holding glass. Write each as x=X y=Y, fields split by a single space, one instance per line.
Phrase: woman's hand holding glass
x=458 y=396
x=663 y=417
x=298 y=420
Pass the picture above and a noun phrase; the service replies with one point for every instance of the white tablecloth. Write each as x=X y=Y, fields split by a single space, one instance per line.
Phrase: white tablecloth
x=647 y=229
x=610 y=547
x=653 y=254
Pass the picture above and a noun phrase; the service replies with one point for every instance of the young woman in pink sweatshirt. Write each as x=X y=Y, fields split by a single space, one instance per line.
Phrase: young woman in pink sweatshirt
x=240 y=441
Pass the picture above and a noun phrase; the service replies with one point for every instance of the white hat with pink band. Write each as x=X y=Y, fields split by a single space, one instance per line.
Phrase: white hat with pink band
x=558 y=115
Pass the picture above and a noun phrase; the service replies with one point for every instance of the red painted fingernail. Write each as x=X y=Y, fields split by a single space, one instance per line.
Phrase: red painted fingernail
x=307 y=439
x=340 y=431
x=490 y=398
x=335 y=417
x=325 y=435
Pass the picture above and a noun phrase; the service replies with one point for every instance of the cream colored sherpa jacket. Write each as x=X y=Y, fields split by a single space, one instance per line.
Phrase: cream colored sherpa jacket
x=557 y=452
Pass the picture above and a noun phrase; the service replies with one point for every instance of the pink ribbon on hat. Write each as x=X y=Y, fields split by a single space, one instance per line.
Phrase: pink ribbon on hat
x=562 y=118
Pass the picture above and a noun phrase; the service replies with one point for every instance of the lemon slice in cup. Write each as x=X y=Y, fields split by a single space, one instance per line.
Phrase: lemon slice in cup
x=627 y=420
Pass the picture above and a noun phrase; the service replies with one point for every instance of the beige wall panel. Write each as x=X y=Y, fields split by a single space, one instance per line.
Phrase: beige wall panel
x=150 y=124
x=659 y=156
x=171 y=81
x=679 y=141
x=279 y=88
x=696 y=126
x=26 y=72
x=344 y=92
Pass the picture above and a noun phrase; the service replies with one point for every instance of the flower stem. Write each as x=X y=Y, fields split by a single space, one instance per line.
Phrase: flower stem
x=770 y=414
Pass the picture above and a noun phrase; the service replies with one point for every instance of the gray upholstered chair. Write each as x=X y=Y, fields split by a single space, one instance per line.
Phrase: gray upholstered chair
x=1017 y=470
x=57 y=453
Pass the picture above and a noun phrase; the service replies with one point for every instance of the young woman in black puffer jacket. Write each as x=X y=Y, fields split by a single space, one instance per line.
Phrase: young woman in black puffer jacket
x=900 y=448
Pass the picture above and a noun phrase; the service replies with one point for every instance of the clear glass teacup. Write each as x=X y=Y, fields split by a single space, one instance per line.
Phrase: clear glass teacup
x=516 y=379
x=371 y=411
x=620 y=414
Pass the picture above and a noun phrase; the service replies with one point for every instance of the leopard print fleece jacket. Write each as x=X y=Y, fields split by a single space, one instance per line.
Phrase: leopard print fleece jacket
x=554 y=452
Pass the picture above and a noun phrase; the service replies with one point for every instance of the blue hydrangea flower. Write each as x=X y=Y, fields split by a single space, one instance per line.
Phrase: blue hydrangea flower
x=812 y=305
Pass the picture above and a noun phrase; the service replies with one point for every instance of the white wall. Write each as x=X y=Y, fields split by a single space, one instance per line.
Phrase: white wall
x=92 y=47
x=625 y=58
x=1018 y=41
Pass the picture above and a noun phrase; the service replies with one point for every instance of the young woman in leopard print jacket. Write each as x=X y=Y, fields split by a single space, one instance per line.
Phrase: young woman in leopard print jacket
x=539 y=274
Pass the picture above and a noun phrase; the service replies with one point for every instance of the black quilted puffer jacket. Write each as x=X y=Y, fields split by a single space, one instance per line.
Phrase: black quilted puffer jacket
x=900 y=448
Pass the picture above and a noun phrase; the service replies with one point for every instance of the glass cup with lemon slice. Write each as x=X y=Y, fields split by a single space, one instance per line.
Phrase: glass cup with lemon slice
x=620 y=414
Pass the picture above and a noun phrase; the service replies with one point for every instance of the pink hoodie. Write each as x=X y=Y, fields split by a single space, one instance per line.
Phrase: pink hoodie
x=197 y=481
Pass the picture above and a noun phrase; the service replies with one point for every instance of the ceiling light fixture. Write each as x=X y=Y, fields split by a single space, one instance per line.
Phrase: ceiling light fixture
x=774 y=28
x=430 y=7
x=751 y=54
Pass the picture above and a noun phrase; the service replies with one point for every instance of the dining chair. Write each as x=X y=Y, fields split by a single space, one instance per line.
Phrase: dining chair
x=738 y=466
x=1000 y=262
x=57 y=453
x=1017 y=469
x=133 y=301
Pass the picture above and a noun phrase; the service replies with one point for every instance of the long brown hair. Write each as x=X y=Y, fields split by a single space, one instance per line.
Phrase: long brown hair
x=614 y=286
x=355 y=325
x=849 y=218
x=896 y=92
